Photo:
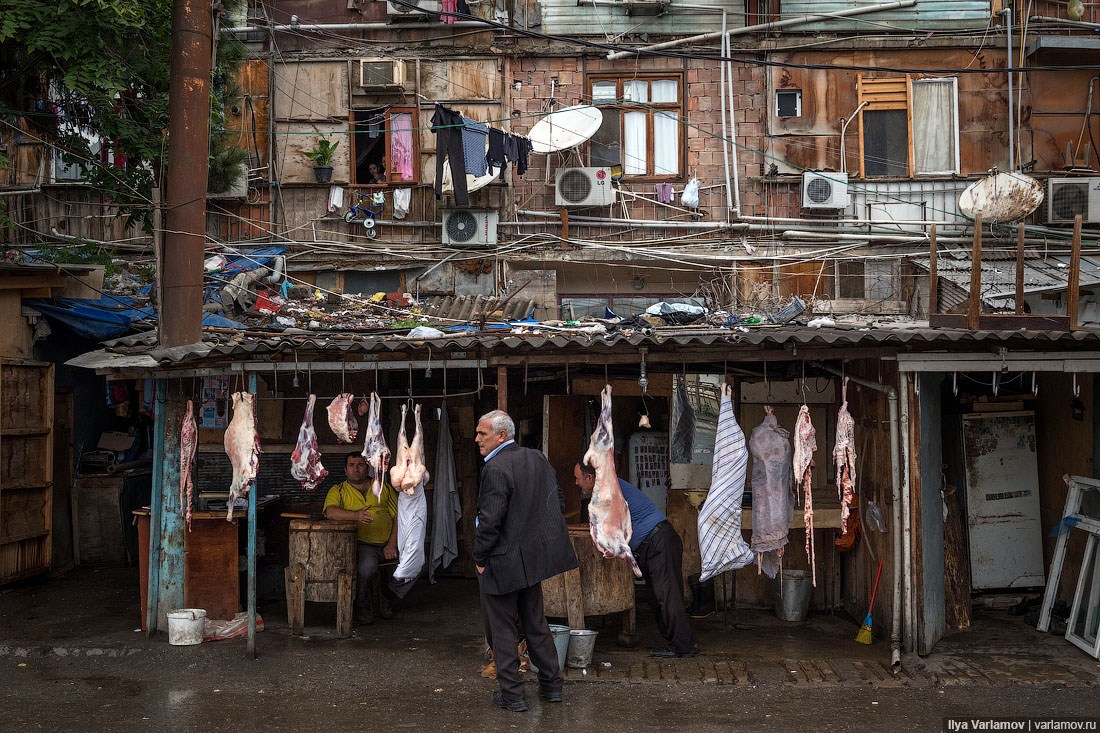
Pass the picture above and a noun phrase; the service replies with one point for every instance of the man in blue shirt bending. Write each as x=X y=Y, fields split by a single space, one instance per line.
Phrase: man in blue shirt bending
x=659 y=553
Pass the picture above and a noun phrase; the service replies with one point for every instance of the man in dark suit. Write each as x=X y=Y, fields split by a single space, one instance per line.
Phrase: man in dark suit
x=521 y=540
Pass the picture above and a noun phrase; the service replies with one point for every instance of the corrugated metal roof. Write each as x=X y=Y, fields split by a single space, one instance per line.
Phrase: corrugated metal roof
x=925 y=15
x=1042 y=273
x=570 y=18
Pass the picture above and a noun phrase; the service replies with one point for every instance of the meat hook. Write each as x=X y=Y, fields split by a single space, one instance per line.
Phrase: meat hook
x=996 y=383
x=1076 y=387
x=955 y=383
x=1034 y=385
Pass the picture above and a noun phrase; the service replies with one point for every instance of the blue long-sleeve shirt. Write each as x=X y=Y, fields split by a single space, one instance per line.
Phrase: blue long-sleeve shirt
x=644 y=514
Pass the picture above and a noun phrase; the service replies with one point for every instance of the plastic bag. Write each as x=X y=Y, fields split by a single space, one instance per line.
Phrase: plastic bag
x=690 y=196
x=873 y=517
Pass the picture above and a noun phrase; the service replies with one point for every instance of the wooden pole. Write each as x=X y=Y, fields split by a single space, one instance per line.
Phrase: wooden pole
x=1074 y=275
x=974 y=309
x=252 y=551
x=1020 y=269
x=502 y=388
x=933 y=273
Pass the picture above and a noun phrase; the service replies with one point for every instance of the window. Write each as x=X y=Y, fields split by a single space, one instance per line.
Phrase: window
x=867 y=280
x=641 y=125
x=383 y=146
x=788 y=103
x=908 y=126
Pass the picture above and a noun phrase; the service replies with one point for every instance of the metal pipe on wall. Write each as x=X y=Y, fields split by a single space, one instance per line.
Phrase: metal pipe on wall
x=733 y=125
x=1007 y=13
x=725 y=132
x=907 y=514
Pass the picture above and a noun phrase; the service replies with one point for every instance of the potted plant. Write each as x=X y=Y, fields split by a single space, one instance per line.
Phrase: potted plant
x=321 y=155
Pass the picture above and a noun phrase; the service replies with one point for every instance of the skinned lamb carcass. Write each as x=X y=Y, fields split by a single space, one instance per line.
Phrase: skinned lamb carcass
x=341 y=418
x=608 y=513
x=409 y=470
x=844 y=453
x=805 y=443
x=189 y=444
x=375 y=450
x=305 y=461
x=242 y=445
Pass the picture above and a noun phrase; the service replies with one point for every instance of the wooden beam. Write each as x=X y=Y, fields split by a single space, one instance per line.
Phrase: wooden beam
x=1020 y=269
x=18 y=282
x=564 y=214
x=752 y=353
x=1074 y=292
x=933 y=273
x=974 y=308
x=502 y=388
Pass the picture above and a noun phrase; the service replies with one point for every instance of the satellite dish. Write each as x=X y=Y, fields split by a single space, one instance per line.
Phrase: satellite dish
x=1002 y=197
x=564 y=129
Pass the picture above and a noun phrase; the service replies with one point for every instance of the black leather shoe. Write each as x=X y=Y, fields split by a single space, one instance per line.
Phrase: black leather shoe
x=550 y=695
x=515 y=706
x=385 y=608
x=673 y=654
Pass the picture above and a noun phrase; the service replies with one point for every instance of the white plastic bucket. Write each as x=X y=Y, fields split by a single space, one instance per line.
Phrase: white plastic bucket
x=185 y=626
x=582 y=643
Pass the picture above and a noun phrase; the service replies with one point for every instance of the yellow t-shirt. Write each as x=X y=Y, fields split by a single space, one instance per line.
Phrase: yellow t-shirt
x=346 y=496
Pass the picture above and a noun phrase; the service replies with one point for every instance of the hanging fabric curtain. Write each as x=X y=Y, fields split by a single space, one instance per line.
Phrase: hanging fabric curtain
x=934 y=126
x=634 y=143
x=401 y=145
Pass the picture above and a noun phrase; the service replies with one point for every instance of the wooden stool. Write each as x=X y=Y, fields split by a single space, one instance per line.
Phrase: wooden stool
x=322 y=569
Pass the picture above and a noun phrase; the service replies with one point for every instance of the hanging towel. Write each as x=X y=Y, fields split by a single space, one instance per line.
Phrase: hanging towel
x=335 y=198
x=402 y=197
x=447 y=507
x=720 y=542
x=772 y=501
x=474 y=136
x=664 y=193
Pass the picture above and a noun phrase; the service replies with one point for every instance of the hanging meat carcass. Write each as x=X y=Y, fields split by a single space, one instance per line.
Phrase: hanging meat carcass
x=341 y=418
x=409 y=470
x=189 y=444
x=805 y=443
x=305 y=461
x=772 y=501
x=375 y=450
x=844 y=453
x=721 y=545
x=608 y=513
x=242 y=445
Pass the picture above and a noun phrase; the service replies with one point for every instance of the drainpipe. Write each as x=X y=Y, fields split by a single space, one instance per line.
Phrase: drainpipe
x=733 y=126
x=898 y=451
x=725 y=131
x=310 y=27
x=1007 y=13
x=843 y=130
x=797 y=20
x=906 y=499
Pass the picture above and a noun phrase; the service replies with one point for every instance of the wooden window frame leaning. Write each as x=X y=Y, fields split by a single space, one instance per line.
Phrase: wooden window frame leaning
x=388 y=111
x=1090 y=525
x=650 y=109
x=893 y=93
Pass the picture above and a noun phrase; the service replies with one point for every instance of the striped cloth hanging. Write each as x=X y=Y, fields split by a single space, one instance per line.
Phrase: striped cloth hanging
x=720 y=541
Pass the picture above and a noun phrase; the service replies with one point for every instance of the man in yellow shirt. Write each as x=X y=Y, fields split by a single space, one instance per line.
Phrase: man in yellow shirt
x=353 y=501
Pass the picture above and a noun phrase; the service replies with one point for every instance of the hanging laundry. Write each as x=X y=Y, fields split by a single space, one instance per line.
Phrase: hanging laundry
x=447 y=508
x=474 y=136
x=335 y=198
x=449 y=6
x=496 y=149
x=664 y=193
x=805 y=443
x=516 y=149
x=447 y=125
x=721 y=545
x=844 y=453
x=402 y=198
x=772 y=502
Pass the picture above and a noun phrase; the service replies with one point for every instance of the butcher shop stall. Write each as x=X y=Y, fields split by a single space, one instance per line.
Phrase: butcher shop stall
x=801 y=467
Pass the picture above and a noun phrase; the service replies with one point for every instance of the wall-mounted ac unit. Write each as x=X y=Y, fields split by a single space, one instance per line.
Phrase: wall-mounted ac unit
x=824 y=190
x=238 y=190
x=422 y=7
x=583 y=187
x=1067 y=197
x=470 y=227
x=382 y=73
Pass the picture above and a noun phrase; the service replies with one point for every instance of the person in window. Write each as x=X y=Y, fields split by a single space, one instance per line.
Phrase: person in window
x=377 y=175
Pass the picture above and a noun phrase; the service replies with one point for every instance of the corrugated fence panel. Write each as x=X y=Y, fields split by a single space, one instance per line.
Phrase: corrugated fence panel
x=939 y=199
x=566 y=17
x=925 y=15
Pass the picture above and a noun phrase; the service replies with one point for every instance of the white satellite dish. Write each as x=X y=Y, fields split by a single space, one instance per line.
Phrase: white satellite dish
x=1002 y=197
x=564 y=129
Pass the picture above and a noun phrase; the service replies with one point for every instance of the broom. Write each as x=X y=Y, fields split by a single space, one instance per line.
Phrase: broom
x=864 y=635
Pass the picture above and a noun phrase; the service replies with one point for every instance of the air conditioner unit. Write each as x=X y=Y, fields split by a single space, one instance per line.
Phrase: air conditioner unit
x=583 y=187
x=824 y=190
x=381 y=73
x=470 y=227
x=422 y=7
x=1067 y=197
x=238 y=190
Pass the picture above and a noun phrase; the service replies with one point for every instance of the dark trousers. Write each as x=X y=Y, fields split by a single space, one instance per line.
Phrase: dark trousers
x=368 y=558
x=660 y=556
x=500 y=614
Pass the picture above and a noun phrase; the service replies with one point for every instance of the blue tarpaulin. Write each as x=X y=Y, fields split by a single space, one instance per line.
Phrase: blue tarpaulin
x=250 y=259
x=109 y=316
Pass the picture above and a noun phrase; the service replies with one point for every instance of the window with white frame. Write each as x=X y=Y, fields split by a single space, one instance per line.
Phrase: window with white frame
x=641 y=124
x=908 y=126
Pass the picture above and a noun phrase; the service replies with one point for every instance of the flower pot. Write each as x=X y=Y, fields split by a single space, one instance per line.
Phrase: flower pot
x=323 y=173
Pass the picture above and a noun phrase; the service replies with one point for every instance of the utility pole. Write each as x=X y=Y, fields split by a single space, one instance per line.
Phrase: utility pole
x=188 y=145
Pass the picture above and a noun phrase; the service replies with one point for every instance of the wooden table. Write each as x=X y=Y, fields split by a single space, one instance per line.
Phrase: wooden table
x=597 y=587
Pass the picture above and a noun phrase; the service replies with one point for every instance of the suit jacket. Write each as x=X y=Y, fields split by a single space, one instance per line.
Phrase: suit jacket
x=522 y=538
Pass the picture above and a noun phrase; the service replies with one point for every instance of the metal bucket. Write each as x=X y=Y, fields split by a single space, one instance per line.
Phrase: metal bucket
x=185 y=626
x=561 y=642
x=582 y=643
x=793 y=589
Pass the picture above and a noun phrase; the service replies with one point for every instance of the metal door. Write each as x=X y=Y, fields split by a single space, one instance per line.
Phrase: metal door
x=1002 y=496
